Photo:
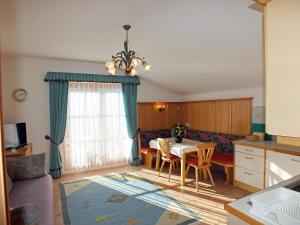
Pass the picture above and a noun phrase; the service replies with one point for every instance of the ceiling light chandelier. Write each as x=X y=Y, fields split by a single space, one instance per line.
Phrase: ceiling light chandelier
x=127 y=60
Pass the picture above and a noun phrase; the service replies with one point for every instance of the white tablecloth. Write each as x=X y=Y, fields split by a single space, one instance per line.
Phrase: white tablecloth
x=178 y=149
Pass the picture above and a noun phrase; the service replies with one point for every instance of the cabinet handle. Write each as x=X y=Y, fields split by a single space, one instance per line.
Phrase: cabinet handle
x=245 y=172
x=247 y=157
x=295 y=160
x=248 y=150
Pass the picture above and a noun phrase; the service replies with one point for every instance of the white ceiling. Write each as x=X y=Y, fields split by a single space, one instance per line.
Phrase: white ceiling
x=194 y=46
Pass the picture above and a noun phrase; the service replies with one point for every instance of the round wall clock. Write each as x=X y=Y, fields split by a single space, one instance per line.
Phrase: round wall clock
x=20 y=94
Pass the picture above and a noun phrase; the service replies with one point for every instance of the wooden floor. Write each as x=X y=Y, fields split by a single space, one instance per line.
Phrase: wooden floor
x=207 y=202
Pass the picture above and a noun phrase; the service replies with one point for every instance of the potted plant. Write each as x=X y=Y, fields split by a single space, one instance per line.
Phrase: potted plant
x=178 y=131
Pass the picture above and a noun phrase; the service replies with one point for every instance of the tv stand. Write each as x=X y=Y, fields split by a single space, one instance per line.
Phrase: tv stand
x=23 y=151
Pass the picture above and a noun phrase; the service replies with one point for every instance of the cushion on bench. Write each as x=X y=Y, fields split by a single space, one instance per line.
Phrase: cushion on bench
x=147 y=136
x=223 y=158
x=148 y=150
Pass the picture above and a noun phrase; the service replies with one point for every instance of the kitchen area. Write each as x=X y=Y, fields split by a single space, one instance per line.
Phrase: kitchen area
x=270 y=170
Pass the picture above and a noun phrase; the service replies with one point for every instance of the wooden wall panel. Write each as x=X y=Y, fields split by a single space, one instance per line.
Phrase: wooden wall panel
x=150 y=118
x=184 y=111
x=173 y=113
x=207 y=116
x=231 y=116
x=241 y=116
x=223 y=116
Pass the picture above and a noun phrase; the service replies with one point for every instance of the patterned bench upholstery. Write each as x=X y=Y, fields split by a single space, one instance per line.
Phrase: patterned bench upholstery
x=147 y=136
x=223 y=141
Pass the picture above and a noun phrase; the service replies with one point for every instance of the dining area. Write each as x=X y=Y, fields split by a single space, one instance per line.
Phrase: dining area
x=176 y=151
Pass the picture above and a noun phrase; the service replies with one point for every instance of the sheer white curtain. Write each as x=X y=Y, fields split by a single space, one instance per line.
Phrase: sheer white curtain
x=96 y=133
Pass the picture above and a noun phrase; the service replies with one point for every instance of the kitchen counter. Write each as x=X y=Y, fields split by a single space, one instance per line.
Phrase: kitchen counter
x=270 y=145
x=241 y=207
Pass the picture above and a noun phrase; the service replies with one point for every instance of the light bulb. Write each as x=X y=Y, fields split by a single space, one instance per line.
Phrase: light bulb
x=135 y=62
x=146 y=66
x=110 y=64
x=133 y=72
x=112 y=71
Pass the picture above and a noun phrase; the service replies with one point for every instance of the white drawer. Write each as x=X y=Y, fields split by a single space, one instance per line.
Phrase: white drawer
x=249 y=177
x=280 y=167
x=250 y=150
x=251 y=162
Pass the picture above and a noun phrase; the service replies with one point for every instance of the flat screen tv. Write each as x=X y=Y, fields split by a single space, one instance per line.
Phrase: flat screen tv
x=15 y=135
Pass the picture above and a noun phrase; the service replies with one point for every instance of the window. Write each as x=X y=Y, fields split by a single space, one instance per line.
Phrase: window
x=96 y=132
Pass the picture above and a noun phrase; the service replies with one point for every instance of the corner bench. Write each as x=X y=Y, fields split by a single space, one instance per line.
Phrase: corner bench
x=223 y=155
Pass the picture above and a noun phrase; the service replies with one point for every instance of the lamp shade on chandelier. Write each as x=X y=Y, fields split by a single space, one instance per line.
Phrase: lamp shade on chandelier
x=126 y=60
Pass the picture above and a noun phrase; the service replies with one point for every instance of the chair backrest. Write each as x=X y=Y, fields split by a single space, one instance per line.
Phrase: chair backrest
x=164 y=145
x=205 y=153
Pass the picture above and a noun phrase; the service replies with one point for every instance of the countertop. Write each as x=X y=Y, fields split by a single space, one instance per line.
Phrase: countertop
x=271 y=145
x=241 y=208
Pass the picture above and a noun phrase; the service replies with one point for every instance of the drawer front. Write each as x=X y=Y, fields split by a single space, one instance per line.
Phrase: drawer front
x=249 y=177
x=250 y=150
x=280 y=167
x=251 y=162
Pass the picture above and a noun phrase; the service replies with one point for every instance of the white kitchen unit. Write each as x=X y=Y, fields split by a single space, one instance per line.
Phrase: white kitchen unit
x=249 y=167
x=280 y=167
x=264 y=163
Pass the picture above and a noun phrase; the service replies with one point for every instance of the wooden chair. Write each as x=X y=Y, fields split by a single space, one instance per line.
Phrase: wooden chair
x=147 y=153
x=202 y=162
x=166 y=156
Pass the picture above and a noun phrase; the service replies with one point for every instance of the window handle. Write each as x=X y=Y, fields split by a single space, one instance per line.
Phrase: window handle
x=245 y=172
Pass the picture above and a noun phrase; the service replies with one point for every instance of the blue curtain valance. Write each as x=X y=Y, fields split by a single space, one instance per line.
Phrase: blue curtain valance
x=82 y=77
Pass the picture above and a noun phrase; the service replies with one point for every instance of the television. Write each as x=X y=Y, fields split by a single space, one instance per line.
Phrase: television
x=15 y=135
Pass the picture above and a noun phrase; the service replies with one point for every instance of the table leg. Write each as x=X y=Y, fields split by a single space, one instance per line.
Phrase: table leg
x=182 y=161
x=157 y=160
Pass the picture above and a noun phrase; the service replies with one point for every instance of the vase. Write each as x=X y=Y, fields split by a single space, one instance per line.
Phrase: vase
x=178 y=139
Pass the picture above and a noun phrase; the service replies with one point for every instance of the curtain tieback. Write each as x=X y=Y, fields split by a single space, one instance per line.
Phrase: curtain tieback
x=47 y=137
x=136 y=132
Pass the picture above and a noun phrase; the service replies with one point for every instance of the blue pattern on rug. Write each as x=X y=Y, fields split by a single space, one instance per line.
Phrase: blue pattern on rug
x=121 y=199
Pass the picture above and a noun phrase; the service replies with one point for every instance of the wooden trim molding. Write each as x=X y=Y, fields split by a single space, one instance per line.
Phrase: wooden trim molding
x=241 y=215
x=246 y=187
x=291 y=150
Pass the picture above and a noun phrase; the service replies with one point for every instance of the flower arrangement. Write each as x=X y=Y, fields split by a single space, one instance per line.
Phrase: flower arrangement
x=178 y=131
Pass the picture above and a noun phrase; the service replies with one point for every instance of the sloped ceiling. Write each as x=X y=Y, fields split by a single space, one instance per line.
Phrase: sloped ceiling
x=194 y=46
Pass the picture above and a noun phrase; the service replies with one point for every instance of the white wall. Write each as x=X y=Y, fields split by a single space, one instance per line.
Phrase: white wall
x=28 y=73
x=258 y=95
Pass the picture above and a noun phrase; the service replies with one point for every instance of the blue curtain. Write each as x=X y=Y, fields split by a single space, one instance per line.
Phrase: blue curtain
x=58 y=93
x=58 y=96
x=130 y=101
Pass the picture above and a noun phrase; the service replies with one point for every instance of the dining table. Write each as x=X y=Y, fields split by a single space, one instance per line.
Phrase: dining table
x=178 y=149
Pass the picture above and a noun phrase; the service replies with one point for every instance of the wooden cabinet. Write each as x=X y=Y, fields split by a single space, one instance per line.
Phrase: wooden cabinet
x=282 y=52
x=280 y=167
x=249 y=168
x=241 y=117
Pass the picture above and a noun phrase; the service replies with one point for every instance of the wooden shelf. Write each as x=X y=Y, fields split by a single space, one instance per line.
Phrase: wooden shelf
x=24 y=151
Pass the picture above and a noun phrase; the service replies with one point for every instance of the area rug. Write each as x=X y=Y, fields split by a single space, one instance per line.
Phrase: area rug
x=121 y=199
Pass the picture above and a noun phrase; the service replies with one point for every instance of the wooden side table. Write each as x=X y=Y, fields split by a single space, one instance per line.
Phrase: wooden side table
x=24 y=151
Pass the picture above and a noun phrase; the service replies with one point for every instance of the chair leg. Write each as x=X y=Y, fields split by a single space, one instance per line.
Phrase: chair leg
x=200 y=173
x=170 y=170
x=196 y=173
x=187 y=170
x=210 y=176
x=161 y=168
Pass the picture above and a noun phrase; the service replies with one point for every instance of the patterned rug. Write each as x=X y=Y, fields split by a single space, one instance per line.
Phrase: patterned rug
x=121 y=199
